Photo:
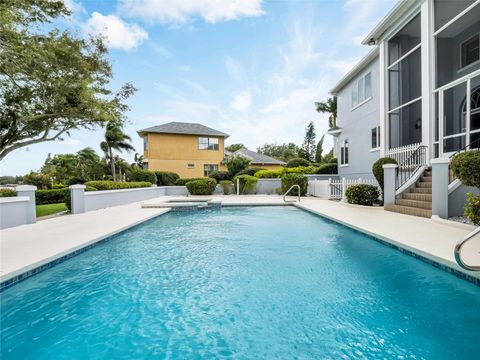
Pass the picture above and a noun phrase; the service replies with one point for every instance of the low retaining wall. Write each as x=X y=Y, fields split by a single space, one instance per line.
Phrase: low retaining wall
x=268 y=186
x=176 y=190
x=13 y=211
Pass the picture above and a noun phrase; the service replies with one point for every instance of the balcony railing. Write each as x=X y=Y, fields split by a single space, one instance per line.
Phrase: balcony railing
x=403 y=153
x=411 y=165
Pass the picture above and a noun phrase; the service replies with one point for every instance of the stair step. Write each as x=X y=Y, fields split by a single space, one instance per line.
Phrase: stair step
x=407 y=210
x=417 y=196
x=421 y=190
x=424 y=184
x=426 y=178
x=414 y=203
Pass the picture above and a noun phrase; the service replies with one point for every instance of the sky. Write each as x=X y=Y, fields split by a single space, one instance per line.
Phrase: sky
x=250 y=68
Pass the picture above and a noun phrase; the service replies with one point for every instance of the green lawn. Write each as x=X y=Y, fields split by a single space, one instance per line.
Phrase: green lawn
x=49 y=209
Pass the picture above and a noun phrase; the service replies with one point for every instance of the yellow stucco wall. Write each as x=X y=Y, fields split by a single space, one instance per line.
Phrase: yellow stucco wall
x=173 y=152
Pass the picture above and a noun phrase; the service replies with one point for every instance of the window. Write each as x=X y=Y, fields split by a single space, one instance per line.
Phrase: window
x=190 y=166
x=376 y=137
x=145 y=143
x=470 y=51
x=344 y=152
x=404 y=41
x=205 y=143
x=362 y=89
x=208 y=168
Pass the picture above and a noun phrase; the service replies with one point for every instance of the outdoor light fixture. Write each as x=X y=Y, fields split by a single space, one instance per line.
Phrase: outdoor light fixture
x=371 y=42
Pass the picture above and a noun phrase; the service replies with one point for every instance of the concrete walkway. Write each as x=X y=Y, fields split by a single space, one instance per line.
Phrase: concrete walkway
x=29 y=246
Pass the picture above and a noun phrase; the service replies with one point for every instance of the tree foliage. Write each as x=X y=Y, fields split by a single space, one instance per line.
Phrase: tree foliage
x=234 y=147
x=319 y=150
x=115 y=139
x=50 y=82
x=329 y=107
x=308 y=146
x=237 y=163
x=283 y=152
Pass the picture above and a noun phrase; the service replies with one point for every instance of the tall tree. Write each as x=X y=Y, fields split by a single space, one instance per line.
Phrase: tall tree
x=329 y=107
x=234 y=147
x=319 y=150
x=115 y=139
x=308 y=146
x=50 y=82
x=283 y=152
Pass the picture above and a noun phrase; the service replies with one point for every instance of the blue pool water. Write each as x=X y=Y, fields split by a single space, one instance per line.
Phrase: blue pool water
x=241 y=283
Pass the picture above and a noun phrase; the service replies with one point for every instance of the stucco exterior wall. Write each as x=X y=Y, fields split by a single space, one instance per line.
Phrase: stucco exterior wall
x=356 y=124
x=173 y=152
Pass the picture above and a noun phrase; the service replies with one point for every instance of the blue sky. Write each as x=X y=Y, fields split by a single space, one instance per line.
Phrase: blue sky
x=250 y=68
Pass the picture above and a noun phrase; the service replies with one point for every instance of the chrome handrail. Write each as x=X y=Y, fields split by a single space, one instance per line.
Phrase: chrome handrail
x=291 y=187
x=458 y=249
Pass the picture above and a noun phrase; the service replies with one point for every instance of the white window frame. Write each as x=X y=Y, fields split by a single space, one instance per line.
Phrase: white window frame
x=477 y=35
x=344 y=145
x=207 y=173
x=211 y=141
x=356 y=85
x=377 y=136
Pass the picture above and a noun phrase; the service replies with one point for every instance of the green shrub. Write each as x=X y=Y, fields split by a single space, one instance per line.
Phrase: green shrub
x=269 y=174
x=201 y=187
x=296 y=162
x=143 y=175
x=249 y=171
x=59 y=186
x=377 y=169
x=466 y=167
x=41 y=181
x=7 y=192
x=115 y=185
x=220 y=175
x=51 y=196
x=362 y=194
x=182 y=182
x=294 y=179
x=166 y=178
x=300 y=170
x=227 y=186
x=75 y=181
x=246 y=184
x=472 y=209
x=327 y=169
x=237 y=163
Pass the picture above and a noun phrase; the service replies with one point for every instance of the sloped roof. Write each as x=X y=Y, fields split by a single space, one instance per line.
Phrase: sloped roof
x=257 y=158
x=176 y=127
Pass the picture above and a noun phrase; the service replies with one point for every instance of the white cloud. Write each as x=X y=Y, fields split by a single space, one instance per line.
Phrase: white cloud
x=70 y=142
x=74 y=7
x=242 y=101
x=118 y=34
x=181 y=12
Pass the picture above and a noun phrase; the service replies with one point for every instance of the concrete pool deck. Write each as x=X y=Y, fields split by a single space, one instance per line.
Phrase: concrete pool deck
x=28 y=247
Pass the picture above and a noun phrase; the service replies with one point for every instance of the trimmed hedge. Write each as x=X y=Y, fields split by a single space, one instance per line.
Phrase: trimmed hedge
x=53 y=196
x=59 y=186
x=201 y=187
x=466 y=167
x=249 y=171
x=183 y=182
x=300 y=170
x=472 y=209
x=143 y=175
x=115 y=185
x=7 y=193
x=377 y=169
x=247 y=184
x=296 y=162
x=220 y=175
x=166 y=178
x=327 y=169
x=362 y=194
x=227 y=186
x=269 y=174
x=295 y=179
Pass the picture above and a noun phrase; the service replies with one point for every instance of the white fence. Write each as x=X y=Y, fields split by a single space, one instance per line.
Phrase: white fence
x=334 y=189
x=402 y=153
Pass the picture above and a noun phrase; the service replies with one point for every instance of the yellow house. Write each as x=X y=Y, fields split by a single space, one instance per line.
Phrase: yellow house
x=189 y=149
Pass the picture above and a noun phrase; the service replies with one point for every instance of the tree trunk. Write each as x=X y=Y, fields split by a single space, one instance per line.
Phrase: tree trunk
x=112 y=163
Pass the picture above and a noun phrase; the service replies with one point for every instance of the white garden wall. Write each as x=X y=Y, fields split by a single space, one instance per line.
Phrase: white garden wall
x=14 y=211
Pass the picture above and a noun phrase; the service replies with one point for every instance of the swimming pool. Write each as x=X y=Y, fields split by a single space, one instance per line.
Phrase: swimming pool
x=249 y=282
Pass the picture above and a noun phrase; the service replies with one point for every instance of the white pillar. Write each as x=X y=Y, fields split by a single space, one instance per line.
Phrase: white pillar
x=29 y=191
x=344 y=189
x=389 y=177
x=77 y=199
x=440 y=178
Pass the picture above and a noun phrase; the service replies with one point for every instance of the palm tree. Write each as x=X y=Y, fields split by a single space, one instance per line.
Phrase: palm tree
x=329 y=107
x=138 y=160
x=115 y=139
x=86 y=160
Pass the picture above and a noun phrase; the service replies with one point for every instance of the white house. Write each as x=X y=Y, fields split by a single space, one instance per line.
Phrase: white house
x=415 y=96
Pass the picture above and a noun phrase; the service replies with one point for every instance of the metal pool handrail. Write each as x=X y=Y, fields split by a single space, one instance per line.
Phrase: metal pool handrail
x=291 y=187
x=458 y=249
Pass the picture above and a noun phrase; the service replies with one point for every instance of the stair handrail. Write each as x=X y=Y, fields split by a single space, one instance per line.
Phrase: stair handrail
x=475 y=143
x=291 y=187
x=458 y=249
x=420 y=154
